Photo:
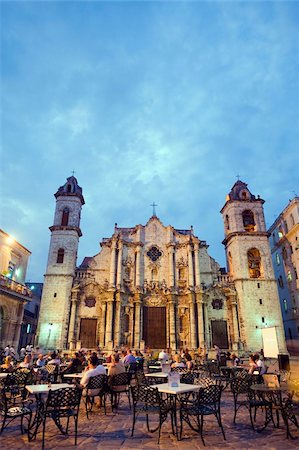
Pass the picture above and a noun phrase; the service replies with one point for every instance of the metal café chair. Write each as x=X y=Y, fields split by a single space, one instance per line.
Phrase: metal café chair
x=119 y=384
x=149 y=401
x=61 y=404
x=195 y=406
x=96 y=387
x=10 y=410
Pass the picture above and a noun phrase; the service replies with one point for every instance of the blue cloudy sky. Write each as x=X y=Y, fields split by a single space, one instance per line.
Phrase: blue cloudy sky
x=164 y=101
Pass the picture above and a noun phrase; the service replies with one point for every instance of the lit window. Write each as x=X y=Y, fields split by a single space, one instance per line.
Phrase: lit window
x=254 y=263
x=289 y=275
x=277 y=259
x=285 y=304
x=28 y=328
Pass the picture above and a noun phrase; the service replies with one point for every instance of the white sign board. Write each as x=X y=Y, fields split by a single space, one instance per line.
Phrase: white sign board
x=270 y=342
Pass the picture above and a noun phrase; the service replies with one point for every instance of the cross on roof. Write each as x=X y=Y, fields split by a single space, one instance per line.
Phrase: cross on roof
x=73 y=172
x=238 y=176
x=154 y=209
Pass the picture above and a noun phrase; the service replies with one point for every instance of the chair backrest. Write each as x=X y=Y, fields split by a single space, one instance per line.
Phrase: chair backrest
x=204 y=381
x=147 y=395
x=188 y=377
x=210 y=394
x=51 y=368
x=241 y=385
x=66 y=398
x=132 y=368
x=141 y=378
x=121 y=379
x=97 y=382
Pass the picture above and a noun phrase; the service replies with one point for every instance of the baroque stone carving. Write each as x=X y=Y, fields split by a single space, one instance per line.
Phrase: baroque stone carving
x=90 y=302
x=154 y=300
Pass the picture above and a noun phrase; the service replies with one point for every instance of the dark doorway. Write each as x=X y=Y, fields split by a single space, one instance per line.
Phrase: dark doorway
x=219 y=333
x=154 y=327
x=88 y=332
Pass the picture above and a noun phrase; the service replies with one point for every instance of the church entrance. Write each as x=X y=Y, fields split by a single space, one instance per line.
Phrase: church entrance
x=88 y=332
x=154 y=326
x=219 y=333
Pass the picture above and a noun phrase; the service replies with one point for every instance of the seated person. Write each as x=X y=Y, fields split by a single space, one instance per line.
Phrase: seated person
x=92 y=370
x=177 y=361
x=189 y=362
x=8 y=365
x=27 y=363
x=235 y=359
x=54 y=359
x=253 y=364
x=75 y=365
x=129 y=358
x=40 y=362
x=261 y=365
x=163 y=356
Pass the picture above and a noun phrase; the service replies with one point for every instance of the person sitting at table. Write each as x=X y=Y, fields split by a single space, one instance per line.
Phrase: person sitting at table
x=252 y=363
x=27 y=363
x=163 y=356
x=40 y=362
x=189 y=362
x=177 y=361
x=74 y=365
x=116 y=366
x=129 y=358
x=92 y=370
x=54 y=359
x=235 y=359
x=8 y=365
x=261 y=365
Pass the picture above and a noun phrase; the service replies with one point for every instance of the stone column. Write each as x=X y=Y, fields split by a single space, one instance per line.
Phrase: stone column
x=73 y=313
x=112 y=263
x=119 y=265
x=190 y=266
x=193 y=339
x=103 y=323
x=197 y=269
x=137 y=324
x=109 y=318
x=138 y=265
x=208 y=339
x=172 y=327
x=233 y=303
x=200 y=322
x=170 y=263
x=117 y=327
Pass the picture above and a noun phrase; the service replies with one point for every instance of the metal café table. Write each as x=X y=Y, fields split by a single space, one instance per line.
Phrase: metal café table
x=273 y=397
x=73 y=375
x=174 y=392
x=157 y=375
x=38 y=390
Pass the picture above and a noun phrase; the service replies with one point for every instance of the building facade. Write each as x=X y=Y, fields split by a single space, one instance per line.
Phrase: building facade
x=14 y=294
x=284 y=242
x=155 y=285
x=31 y=313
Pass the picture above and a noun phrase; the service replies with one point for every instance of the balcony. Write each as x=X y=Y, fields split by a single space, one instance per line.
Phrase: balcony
x=224 y=280
x=12 y=287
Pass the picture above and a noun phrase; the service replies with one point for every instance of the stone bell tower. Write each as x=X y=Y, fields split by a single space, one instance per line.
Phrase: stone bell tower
x=65 y=233
x=250 y=267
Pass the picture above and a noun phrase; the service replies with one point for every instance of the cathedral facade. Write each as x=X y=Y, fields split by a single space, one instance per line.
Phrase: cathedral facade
x=155 y=285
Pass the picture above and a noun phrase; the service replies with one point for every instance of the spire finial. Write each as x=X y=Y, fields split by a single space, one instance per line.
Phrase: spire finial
x=154 y=208
x=238 y=176
x=73 y=172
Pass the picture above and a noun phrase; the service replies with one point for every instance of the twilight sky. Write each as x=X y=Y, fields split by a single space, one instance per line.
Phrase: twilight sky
x=164 y=101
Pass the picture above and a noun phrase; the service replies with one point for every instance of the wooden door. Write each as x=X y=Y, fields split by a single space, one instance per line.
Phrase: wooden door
x=154 y=327
x=219 y=333
x=88 y=333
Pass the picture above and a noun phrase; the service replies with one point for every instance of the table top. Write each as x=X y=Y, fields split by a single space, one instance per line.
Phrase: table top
x=157 y=375
x=181 y=389
x=264 y=388
x=3 y=375
x=44 y=388
x=73 y=375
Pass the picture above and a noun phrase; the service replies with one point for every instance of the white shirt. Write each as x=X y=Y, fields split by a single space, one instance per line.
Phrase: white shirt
x=262 y=366
x=99 y=370
x=163 y=356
